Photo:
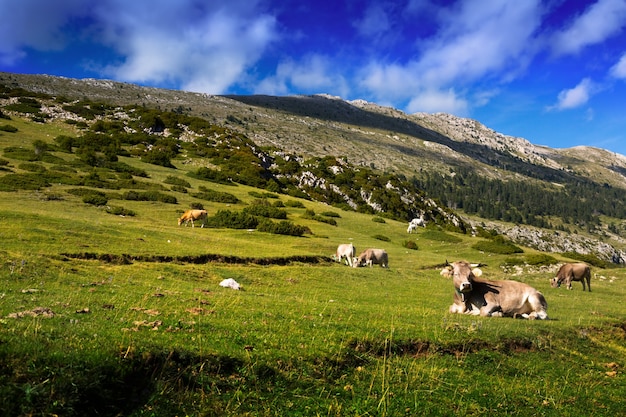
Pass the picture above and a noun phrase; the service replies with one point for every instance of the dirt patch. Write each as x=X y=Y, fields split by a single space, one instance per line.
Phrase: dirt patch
x=125 y=259
x=424 y=347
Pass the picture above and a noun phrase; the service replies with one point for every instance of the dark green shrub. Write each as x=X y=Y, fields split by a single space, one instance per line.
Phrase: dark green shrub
x=330 y=214
x=589 y=258
x=8 y=128
x=32 y=167
x=294 y=203
x=178 y=189
x=149 y=196
x=410 y=244
x=27 y=181
x=177 y=181
x=440 y=236
x=232 y=220
x=263 y=209
x=119 y=211
x=382 y=237
x=257 y=194
x=378 y=219
x=17 y=152
x=497 y=245
x=212 y=175
x=80 y=192
x=283 y=227
x=215 y=196
x=196 y=206
x=65 y=143
x=96 y=199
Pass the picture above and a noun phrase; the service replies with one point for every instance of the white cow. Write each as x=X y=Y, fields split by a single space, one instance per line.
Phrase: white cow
x=345 y=250
x=413 y=224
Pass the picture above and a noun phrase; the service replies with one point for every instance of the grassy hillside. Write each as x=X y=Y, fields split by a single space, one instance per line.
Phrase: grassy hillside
x=113 y=309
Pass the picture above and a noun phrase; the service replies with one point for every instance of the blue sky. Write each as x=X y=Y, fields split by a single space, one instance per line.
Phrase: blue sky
x=551 y=71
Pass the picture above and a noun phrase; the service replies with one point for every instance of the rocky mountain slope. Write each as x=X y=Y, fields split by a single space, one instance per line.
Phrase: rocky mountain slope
x=373 y=136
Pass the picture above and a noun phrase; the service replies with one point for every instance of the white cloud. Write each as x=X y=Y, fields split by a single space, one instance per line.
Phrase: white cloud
x=479 y=40
x=619 y=69
x=375 y=21
x=574 y=97
x=205 y=50
x=432 y=101
x=602 y=20
x=312 y=74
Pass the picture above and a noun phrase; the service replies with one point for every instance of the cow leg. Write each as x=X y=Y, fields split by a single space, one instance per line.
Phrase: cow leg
x=491 y=311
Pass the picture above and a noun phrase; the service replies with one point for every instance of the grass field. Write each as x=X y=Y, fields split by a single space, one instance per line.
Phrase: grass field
x=88 y=329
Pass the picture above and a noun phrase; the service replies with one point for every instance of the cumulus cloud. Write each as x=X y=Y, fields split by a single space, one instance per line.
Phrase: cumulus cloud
x=433 y=101
x=313 y=74
x=200 y=46
x=575 y=97
x=602 y=20
x=200 y=49
x=619 y=69
x=478 y=39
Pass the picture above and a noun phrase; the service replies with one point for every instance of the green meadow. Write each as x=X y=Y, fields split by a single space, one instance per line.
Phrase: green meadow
x=122 y=315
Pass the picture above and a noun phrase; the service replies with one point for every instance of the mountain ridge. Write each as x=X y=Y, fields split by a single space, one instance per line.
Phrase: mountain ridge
x=366 y=134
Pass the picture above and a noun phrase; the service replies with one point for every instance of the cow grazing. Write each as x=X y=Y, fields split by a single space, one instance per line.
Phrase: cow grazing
x=347 y=251
x=572 y=272
x=370 y=257
x=191 y=215
x=483 y=297
x=418 y=221
x=411 y=228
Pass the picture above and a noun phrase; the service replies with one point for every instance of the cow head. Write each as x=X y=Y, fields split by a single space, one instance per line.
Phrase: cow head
x=555 y=282
x=462 y=276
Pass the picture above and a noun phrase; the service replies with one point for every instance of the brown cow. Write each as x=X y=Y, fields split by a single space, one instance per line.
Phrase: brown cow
x=483 y=297
x=191 y=215
x=572 y=272
x=370 y=257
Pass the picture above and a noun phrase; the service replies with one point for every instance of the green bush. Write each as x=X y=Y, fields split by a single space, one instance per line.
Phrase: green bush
x=232 y=220
x=149 y=196
x=32 y=167
x=294 y=204
x=283 y=227
x=96 y=199
x=497 y=245
x=310 y=214
x=257 y=194
x=263 y=209
x=215 y=196
x=378 y=219
x=589 y=258
x=382 y=237
x=410 y=244
x=119 y=211
x=330 y=214
x=8 y=128
x=177 y=181
x=212 y=175
x=27 y=181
